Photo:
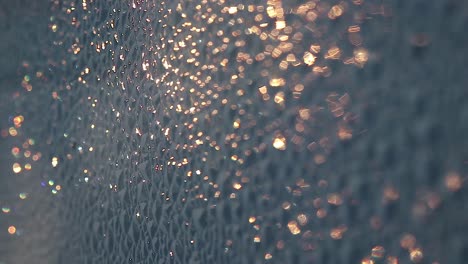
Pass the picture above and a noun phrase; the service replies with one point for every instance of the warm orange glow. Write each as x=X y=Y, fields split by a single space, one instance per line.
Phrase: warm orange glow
x=11 y=230
x=294 y=228
x=453 y=181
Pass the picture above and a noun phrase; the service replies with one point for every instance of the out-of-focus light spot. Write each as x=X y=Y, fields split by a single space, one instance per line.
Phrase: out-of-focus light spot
x=280 y=245
x=18 y=120
x=319 y=159
x=337 y=233
x=51 y=182
x=15 y=151
x=16 y=168
x=279 y=142
x=25 y=145
x=13 y=132
x=354 y=29
x=237 y=186
x=378 y=252
x=276 y=82
x=344 y=133
x=304 y=114
x=279 y=98
x=391 y=194
x=453 y=181
x=367 y=261
x=54 y=162
x=321 y=213
x=27 y=166
x=6 y=209
x=408 y=241
x=334 y=199
x=361 y=56
x=36 y=157
x=25 y=83
x=268 y=256
x=232 y=10
x=23 y=196
x=392 y=260
x=294 y=228
x=76 y=49
x=58 y=187
x=55 y=95
x=302 y=219
x=335 y=12
x=308 y=58
x=280 y=24
x=11 y=230
x=416 y=255
x=333 y=53
x=286 y=205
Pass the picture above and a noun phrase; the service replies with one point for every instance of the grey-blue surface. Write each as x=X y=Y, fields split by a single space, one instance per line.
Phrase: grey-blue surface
x=235 y=131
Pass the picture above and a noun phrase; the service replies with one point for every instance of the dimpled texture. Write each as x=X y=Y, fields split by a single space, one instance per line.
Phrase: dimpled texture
x=256 y=131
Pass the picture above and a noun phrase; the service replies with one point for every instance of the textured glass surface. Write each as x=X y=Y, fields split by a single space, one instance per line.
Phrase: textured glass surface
x=219 y=131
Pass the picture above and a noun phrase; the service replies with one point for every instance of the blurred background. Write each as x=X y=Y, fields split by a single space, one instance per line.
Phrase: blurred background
x=25 y=227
